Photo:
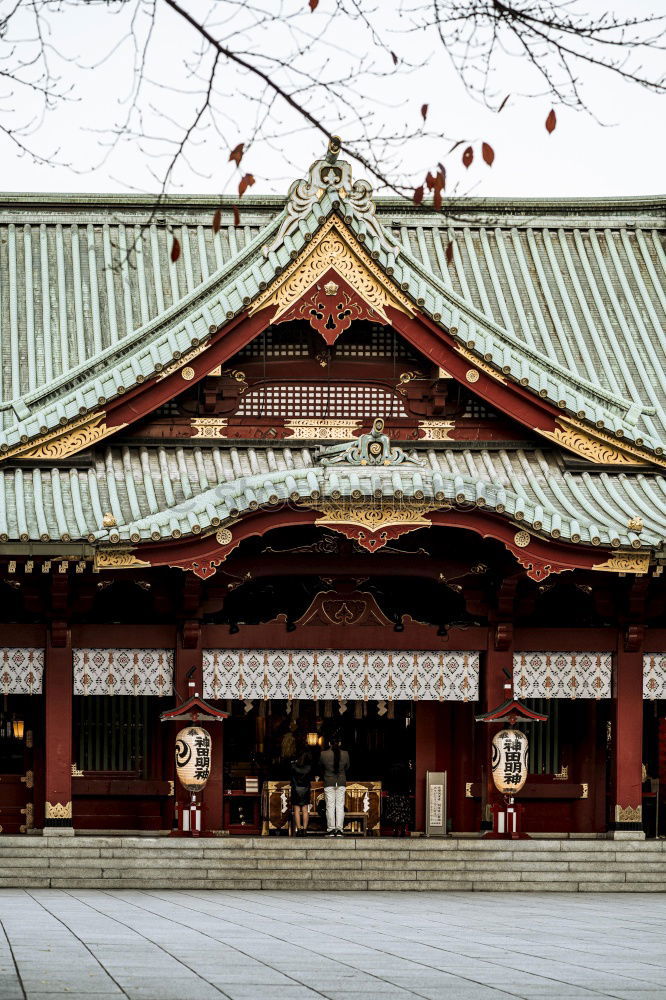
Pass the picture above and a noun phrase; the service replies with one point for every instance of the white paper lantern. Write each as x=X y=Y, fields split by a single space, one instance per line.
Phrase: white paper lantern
x=510 y=749
x=193 y=752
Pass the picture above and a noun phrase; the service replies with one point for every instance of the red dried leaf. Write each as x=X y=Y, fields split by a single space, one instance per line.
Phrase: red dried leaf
x=449 y=252
x=503 y=104
x=246 y=181
x=313 y=4
x=424 y=111
x=551 y=121
x=488 y=153
x=436 y=183
x=236 y=154
x=236 y=215
x=467 y=157
x=175 y=249
x=417 y=197
x=394 y=58
x=217 y=221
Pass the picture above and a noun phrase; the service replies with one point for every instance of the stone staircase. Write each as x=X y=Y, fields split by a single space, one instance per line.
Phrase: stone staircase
x=90 y=862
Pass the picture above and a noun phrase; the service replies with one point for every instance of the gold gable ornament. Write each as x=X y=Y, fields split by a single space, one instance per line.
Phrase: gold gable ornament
x=333 y=247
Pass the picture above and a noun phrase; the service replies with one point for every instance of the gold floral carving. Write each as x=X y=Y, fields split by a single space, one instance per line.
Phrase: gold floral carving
x=436 y=430
x=483 y=365
x=373 y=516
x=110 y=559
x=323 y=429
x=208 y=427
x=187 y=373
x=333 y=247
x=472 y=375
x=65 y=441
x=58 y=810
x=630 y=562
x=29 y=812
x=223 y=536
x=522 y=539
x=29 y=779
x=585 y=790
x=596 y=446
x=628 y=814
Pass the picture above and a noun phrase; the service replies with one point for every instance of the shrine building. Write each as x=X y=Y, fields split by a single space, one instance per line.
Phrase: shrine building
x=342 y=464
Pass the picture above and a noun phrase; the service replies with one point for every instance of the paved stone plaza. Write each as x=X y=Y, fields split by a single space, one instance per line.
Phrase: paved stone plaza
x=195 y=945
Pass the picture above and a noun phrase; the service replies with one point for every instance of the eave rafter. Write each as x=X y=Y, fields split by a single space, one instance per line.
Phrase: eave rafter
x=328 y=234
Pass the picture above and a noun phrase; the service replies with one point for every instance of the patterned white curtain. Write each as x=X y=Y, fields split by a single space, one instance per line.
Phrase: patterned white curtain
x=21 y=670
x=654 y=676
x=123 y=671
x=352 y=675
x=562 y=675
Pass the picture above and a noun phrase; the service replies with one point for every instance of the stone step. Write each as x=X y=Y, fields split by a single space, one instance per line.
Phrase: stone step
x=382 y=864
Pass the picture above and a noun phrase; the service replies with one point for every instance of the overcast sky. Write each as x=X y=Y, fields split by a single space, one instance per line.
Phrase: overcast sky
x=623 y=155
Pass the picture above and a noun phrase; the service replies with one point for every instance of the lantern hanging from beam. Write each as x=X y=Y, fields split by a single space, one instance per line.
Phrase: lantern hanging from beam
x=510 y=750
x=193 y=754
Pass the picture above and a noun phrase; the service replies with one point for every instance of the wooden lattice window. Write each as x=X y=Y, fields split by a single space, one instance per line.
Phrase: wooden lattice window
x=296 y=400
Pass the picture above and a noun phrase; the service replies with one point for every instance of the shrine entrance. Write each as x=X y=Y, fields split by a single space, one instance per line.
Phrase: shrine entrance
x=261 y=738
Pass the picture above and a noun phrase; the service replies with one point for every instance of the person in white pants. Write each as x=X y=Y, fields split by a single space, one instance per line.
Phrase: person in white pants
x=334 y=763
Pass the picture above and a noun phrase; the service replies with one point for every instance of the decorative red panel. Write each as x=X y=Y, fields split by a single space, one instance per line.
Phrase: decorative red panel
x=330 y=307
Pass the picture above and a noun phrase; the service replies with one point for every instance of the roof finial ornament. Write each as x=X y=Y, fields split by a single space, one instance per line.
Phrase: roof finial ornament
x=334 y=145
x=329 y=176
x=369 y=449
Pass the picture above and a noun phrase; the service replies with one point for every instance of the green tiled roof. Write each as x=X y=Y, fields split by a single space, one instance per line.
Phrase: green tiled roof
x=154 y=492
x=568 y=298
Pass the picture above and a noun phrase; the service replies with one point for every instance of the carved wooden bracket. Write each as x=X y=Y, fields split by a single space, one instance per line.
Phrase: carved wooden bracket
x=633 y=638
x=191 y=634
x=503 y=636
x=59 y=634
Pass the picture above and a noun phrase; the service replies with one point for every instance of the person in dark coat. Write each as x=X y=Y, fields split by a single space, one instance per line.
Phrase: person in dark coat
x=301 y=776
x=333 y=766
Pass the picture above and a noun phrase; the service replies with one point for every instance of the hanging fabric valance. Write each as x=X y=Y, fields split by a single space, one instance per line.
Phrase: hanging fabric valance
x=21 y=670
x=123 y=671
x=351 y=675
x=654 y=676
x=562 y=675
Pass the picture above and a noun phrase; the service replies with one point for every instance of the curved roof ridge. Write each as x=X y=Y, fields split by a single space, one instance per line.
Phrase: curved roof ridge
x=233 y=498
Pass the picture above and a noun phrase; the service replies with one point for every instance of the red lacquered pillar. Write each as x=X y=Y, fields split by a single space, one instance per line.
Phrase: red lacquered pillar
x=498 y=659
x=189 y=661
x=58 y=686
x=626 y=820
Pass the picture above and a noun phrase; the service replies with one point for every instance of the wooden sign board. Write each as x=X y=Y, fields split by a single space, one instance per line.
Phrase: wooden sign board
x=435 y=817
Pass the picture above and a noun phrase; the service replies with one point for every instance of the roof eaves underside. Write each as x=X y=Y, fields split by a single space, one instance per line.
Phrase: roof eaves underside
x=154 y=492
